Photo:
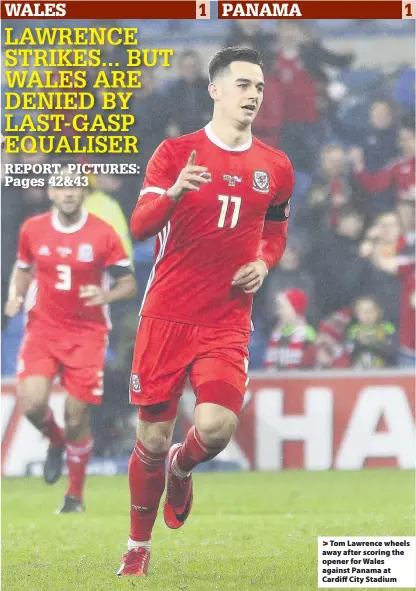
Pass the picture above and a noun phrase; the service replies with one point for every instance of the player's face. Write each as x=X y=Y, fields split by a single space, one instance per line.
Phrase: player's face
x=238 y=92
x=367 y=312
x=67 y=199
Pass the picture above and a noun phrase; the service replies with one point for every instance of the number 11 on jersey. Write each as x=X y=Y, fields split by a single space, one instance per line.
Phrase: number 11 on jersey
x=226 y=199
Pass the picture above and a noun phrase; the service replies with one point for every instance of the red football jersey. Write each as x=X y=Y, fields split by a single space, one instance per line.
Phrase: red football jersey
x=66 y=258
x=214 y=231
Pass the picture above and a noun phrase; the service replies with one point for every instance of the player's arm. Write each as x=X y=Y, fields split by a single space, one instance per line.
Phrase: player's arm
x=20 y=281
x=21 y=276
x=273 y=242
x=162 y=191
x=118 y=265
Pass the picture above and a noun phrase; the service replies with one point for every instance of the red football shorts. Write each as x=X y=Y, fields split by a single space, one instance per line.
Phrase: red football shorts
x=167 y=352
x=77 y=359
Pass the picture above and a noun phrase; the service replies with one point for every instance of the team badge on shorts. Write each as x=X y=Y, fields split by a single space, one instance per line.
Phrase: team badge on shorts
x=85 y=253
x=261 y=181
x=135 y=383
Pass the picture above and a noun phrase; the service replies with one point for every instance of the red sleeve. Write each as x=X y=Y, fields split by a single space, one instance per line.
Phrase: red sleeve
x=24 y=253
x=377 y=181
x=154 y=208
x=114 y=252
x=273 y=242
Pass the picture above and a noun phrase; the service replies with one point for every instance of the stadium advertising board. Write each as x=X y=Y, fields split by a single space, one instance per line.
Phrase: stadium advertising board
x=302 y=421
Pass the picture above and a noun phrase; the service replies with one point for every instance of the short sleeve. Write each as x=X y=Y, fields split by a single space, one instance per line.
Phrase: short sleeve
x=115 y=255
x=24 y=252
x=160 y=171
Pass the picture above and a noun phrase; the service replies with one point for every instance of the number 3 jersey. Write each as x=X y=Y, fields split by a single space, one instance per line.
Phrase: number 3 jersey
x=213 y=231
x=65 y=259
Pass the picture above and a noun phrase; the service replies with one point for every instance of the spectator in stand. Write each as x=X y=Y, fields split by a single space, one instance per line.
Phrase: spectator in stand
x=249 y=33
x=330 y=351
x=335 y=263
x=380 y=247
x=300 y=65
x=291 y=341
x=190 y=106
x=400 y=174
x=333 y=189
x=403 y=266
x=370 y=339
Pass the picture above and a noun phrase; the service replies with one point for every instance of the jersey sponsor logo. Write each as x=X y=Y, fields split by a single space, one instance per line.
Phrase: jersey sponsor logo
x=64 y=251
x=231 y=179
x=85 y=253
x=261 y=182
x=44 y=251
x=135 y=383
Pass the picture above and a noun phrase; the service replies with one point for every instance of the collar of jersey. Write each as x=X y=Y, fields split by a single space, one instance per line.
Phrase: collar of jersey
x=220 y=144
x=68 y=229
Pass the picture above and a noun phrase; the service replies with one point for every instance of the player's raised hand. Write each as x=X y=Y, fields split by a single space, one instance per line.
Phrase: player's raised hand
x=250 y=277
x=13 y=306
x=93 y=294
x=189 y=179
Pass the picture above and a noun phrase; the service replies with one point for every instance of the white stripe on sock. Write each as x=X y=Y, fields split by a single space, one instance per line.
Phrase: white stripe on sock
x=133 y=544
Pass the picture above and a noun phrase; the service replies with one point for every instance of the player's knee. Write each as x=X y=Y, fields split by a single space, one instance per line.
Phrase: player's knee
x=156 y=437
x=215 y=428
x=75 y=422
x=33 y=410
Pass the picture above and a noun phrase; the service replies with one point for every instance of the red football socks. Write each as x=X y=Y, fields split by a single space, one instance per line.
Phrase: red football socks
x=194 y=451
x=147 y=482
x=77 y=455
x=45 y=423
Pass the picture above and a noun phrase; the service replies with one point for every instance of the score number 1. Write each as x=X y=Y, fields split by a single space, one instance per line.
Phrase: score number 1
x=203 y=9
x=409 y=10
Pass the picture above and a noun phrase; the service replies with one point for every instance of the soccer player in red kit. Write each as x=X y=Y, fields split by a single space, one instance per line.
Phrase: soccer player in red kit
x=61 y=271
x=218 y=199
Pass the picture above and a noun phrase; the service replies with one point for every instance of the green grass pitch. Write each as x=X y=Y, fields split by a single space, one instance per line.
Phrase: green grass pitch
x=247 y=531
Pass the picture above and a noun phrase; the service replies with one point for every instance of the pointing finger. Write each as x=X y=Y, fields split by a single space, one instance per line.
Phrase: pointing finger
x=192 y=157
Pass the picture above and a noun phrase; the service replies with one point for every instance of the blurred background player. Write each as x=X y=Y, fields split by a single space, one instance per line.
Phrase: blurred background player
x=221 y=224
x=67 y=253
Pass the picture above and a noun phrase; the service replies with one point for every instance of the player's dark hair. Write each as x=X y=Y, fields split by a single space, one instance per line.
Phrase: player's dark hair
x=223 y=58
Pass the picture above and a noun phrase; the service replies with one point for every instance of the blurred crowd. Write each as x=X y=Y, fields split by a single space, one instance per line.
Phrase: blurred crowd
x=343 y=294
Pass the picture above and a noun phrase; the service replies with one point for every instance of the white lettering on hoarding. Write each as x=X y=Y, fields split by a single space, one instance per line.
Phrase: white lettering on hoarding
x=314 y=427
x=361 y=439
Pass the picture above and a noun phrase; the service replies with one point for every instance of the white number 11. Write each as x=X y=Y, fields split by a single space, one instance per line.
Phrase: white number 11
x=225 y=201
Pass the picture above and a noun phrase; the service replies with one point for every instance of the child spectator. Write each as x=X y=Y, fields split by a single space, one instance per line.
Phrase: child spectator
x=330 y=350
x=370 y=340
x=291 y=342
